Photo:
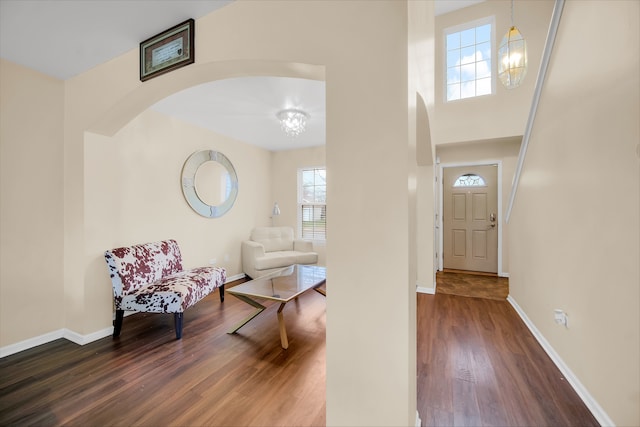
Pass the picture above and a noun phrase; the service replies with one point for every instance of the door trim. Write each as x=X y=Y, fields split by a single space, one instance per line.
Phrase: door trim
x=439 y=223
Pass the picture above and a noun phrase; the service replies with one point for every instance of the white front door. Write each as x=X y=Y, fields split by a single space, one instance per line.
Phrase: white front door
x=469 y=215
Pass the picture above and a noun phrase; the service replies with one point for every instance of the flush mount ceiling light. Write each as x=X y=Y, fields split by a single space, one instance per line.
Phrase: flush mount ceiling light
x=292 y=121
x=512 y=57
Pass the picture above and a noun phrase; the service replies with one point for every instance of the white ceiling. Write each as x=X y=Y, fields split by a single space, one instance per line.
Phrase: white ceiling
x=245 y=109
x=63 y=38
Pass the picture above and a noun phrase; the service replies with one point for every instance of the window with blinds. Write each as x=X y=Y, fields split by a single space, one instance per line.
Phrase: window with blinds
x=312 y=203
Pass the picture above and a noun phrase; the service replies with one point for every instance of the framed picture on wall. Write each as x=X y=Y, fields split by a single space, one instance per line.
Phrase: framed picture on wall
x=167 y=51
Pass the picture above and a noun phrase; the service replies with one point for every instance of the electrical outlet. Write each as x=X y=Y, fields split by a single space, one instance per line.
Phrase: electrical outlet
x=226 y=257
x=561 y=317
x=213 y=261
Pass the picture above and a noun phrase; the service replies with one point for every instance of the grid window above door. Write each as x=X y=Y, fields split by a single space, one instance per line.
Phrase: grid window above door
x=469 y=53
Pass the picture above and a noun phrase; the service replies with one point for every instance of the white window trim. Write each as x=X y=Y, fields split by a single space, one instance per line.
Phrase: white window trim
x=494 y=67
x=299 y=203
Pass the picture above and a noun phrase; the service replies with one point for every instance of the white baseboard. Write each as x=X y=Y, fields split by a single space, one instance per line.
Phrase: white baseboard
x=503 y=274
x=418 y=420
x=424 y=290
x=236 y=277
x=31 y=342
x=71 y=335
x=52 y=336
x=86 y=339
x=584 y=394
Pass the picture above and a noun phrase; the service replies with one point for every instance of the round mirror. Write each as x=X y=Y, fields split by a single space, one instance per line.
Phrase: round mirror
x=209 y=183
x=212 y=183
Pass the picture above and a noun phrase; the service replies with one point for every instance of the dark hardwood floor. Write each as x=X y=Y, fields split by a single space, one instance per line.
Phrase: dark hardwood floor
x=148 y=378
x=477 y=365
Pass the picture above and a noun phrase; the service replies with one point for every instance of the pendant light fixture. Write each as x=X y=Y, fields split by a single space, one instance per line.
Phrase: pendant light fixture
x=512 y=57
x=293 y=121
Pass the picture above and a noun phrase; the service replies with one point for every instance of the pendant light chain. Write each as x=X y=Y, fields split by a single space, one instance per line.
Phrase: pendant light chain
x=509 y=33
x=512 y=13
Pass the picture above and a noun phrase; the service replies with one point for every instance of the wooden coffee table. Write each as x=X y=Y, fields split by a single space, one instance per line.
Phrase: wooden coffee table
x=282 y=286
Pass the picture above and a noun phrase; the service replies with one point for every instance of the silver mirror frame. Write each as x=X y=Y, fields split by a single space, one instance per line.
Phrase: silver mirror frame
x=191 y=165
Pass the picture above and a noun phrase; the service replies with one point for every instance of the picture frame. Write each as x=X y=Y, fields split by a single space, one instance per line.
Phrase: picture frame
x=167 y=51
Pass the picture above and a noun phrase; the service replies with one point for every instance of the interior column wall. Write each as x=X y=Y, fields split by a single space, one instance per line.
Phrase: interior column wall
x=366 y=129
x=421 y=88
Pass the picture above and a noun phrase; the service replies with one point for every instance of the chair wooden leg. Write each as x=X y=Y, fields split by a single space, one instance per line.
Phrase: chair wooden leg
x=221 y=288
x=117 y=323
x=177 y=317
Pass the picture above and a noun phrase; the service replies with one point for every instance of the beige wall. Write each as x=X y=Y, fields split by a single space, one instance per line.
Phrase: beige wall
x=587 y=122
x=487 y=127
x=575 y=230
x=504 y=150
x=32 y=300
x=368 y=255
x=347 y=39
x=503 y=114
x=425 y=243
x=133 y=195
x=284 y=187
x=422 y=147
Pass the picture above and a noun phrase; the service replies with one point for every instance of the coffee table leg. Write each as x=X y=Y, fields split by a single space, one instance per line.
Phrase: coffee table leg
x=259 y=309
x=283 y=331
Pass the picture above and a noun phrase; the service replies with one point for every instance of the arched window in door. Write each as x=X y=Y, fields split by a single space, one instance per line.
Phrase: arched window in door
x=470 y=180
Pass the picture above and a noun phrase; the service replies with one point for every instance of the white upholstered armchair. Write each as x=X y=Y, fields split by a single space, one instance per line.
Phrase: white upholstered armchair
x=271 y=248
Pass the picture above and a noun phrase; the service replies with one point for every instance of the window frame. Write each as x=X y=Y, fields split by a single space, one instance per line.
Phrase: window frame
x=491 y=20
x=300 y=203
